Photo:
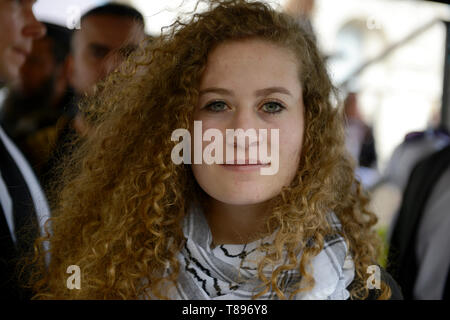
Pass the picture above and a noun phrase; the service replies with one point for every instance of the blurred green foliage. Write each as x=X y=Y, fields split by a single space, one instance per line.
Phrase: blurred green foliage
x=382 y=232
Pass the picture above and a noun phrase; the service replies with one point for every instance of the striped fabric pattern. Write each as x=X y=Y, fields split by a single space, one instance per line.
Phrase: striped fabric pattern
x=228 y=272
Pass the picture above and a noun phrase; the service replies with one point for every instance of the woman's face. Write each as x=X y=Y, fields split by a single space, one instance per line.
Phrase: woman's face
x=250 y=84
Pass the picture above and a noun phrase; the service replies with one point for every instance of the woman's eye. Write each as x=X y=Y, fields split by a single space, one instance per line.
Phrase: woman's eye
x=272 y=107
x=216 y=106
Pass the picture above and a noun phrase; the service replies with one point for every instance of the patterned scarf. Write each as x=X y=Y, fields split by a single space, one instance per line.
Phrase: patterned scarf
x=229 y=272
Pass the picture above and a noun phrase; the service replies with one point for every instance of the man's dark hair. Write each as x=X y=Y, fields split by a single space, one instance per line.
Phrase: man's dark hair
x=60 y=37
x=116 y=9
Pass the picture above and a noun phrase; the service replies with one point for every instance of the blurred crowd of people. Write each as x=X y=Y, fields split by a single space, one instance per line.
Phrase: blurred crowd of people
x=39 y=110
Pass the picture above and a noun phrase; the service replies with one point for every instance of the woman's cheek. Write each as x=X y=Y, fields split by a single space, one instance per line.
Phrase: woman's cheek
x=291 y=142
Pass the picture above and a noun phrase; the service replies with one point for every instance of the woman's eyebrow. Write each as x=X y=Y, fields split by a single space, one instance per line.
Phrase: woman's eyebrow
x=258 y=93
x=267 y=91
x=216 y=90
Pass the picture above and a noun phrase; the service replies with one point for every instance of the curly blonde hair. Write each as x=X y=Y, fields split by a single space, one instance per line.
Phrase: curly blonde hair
x=122 y=201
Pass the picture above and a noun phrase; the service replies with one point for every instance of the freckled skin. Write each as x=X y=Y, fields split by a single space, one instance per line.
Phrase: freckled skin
x=242 y=68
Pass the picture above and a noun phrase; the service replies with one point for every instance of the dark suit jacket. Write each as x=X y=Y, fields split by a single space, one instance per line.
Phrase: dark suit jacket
x=402 y=262
x=25 y=222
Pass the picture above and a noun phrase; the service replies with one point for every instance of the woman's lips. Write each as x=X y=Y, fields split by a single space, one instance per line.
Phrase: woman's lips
x=244 y=167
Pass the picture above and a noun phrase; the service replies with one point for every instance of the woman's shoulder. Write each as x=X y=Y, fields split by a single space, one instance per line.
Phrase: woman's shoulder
x=396 y=292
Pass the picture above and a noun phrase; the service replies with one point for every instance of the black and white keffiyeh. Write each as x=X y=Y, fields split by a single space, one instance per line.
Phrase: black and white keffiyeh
x=228 y=272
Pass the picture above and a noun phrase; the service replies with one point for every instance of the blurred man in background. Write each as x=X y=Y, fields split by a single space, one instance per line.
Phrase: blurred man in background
x=108 y=34
x=359 y=137
x=22 y=201
x=360 y=142
x=34 y=105
x=302 y=11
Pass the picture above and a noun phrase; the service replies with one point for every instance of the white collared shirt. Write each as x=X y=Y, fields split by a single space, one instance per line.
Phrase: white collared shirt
x=37 y=195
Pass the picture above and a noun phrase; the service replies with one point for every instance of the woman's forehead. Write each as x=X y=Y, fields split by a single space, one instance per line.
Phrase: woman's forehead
x=255 y=48
x=250 y=62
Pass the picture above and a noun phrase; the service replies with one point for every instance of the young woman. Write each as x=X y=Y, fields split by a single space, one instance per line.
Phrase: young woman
x=141 y=225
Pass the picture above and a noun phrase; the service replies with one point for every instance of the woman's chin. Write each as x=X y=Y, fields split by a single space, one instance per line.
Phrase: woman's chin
x=238 y=188
x=241 y=197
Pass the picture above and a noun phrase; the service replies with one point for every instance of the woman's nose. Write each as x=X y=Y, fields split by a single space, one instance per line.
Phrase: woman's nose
x=245 y=119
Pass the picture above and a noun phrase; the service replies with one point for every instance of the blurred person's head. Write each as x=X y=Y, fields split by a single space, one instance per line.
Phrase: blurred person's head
x=18 y=29
x=299 y=8
x=41 y=92
x=108 y=34
x=351 y=108
x=44 y=71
